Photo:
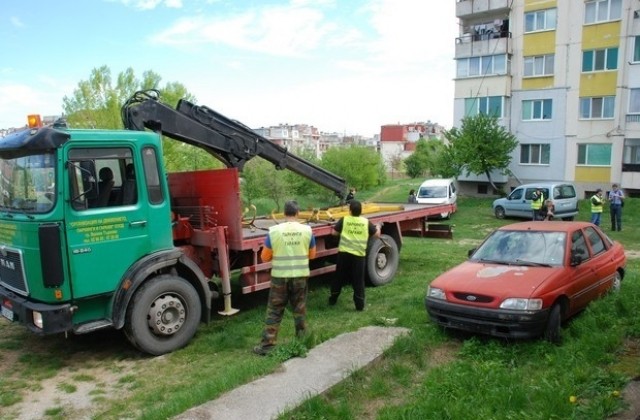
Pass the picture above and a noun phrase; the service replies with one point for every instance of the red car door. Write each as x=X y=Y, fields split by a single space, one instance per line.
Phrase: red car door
x=582 y=275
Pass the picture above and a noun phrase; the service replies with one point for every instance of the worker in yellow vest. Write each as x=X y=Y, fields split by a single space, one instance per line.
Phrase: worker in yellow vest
x=289 y=246
x=537 y=199
x=354 y=231
x=597 y=204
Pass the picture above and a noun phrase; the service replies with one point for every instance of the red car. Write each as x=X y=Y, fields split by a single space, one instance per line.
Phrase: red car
x=525 y=279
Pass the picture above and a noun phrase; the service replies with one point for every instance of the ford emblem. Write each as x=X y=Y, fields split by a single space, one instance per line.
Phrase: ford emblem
x=471 y=298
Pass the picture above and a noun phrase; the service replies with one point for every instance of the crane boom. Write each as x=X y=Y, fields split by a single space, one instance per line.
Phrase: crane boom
x=228 y=140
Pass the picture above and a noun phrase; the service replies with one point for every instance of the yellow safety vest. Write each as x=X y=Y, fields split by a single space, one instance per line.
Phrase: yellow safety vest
x=290 y=245
x=354 y=235
x=596 y=204
x=537 y=204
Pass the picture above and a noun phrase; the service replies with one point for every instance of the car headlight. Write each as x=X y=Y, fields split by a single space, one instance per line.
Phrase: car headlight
x=436 y=293
x=520 y=304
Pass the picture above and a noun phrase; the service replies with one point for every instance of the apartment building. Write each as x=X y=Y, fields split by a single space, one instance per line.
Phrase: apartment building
x=564 y=77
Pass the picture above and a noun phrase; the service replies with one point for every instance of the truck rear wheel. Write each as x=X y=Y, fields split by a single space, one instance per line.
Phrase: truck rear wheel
x=382 y=260
x=163 y=315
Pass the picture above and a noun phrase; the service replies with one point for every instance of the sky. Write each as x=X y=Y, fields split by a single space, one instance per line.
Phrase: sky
x=345 y=66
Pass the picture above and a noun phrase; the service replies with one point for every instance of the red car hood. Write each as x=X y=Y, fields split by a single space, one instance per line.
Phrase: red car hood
x=496 y=280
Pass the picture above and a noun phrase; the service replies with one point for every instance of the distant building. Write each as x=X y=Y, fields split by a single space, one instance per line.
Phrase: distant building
x=399 y=140
x=304 y=137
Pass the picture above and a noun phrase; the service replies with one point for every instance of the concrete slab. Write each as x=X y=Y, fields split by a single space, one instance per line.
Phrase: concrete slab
x=300 y=378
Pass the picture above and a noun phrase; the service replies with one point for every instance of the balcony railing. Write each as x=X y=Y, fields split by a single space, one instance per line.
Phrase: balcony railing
x=480 y=44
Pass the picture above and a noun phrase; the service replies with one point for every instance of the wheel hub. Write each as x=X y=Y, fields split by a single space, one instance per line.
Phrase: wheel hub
x=166 y=315
x=381 y=260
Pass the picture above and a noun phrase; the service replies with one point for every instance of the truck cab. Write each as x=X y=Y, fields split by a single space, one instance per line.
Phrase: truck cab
x=84 y=221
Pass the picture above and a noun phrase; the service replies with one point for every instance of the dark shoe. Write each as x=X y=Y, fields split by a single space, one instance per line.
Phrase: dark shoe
x=359 y=308
x=262 y=350
x=333 y=299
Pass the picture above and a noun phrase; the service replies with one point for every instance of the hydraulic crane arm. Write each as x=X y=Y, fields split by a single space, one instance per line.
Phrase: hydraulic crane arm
x=228 y=140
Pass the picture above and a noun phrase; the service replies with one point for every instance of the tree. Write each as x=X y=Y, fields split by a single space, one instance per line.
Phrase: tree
x=260 y=179
x=481 y=145
x=96 y=103
x=431 y=157
x=360 y=166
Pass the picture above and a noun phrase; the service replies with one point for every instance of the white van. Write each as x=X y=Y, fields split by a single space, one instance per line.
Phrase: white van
x=438 y=191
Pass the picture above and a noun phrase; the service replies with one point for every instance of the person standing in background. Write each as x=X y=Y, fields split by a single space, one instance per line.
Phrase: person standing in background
x=412 y=197
x=597 y=202
x=537 y=199
x=616 y=200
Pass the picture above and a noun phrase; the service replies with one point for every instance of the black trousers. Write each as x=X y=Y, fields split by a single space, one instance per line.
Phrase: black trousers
x=350 y=270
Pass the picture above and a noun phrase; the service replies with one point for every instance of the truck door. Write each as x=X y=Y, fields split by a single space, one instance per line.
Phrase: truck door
x=107 y=226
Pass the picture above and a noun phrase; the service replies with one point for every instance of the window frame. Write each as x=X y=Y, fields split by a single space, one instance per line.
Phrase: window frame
x=549 y=20
x=585 y=157
x=603 y=59
x=631 y=151
x=542 y=150
x=606 y=103
x=594 y=13
x=483 y=105
x=479 y=64
x=538 y=65
x=636 y=49
x=543 y=107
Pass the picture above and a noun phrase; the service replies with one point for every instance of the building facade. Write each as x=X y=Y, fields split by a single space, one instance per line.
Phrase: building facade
x=564 y=77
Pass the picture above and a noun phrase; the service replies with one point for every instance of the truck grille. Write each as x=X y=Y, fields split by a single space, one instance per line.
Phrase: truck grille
x=12 y=271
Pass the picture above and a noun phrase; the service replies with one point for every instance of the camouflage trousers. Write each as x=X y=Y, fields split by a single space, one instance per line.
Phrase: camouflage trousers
x=283 y=291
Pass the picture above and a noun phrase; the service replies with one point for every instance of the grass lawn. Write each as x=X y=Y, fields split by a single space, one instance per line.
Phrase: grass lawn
x=430 y=374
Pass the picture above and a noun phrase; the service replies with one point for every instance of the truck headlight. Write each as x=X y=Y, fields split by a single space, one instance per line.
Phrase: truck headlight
x=520 y=304
x=436 y=293
x=37 y=319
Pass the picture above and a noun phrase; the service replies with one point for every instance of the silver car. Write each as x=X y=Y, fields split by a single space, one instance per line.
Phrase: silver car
x=518 y=202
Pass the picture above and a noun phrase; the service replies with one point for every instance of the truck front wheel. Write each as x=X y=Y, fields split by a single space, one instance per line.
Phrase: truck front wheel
x=163 y=315
x=382 y=260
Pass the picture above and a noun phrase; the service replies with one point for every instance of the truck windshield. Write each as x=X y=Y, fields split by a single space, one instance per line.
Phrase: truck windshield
x=28 y=183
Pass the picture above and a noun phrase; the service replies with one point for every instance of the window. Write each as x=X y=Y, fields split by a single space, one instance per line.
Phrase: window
x=579 y=245
x=598 y=60
x=602 y=10
x=597 y=108
x=634 y=101
x=152 y=176
x=594 y=154
x=535 y=154
x=636 y=49
x=631 y=152
x=481 y=66
x=540 y=20
x=538 y=109
x=96 y=176
x=597 y=245
x=541 y=65
x=489 y=105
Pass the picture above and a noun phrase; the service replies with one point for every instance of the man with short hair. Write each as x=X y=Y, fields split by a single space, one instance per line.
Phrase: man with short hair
x=354 y=231
x=616 y=200
x=289 y=246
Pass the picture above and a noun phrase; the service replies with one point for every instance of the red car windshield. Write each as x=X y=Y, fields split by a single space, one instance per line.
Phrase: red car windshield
x=522 y=248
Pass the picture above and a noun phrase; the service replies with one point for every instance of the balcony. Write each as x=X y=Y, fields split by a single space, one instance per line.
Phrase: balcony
x=478 y=8
x=476 y=45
